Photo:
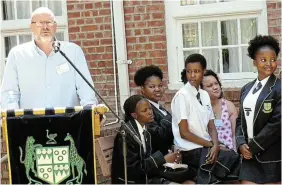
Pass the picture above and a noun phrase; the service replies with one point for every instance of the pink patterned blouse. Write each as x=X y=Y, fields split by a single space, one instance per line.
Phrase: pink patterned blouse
x=225 y=131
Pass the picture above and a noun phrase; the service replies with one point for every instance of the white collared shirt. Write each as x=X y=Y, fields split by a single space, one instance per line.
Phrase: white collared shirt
x=249 y=105
x=158 y=107
x=141 y=130
x=33 y=80
x=185 y=106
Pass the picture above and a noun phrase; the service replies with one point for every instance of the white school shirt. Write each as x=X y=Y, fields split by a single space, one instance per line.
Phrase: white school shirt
x=141 y=130
x=158 y=107
x=33 y=80
x=186 y=106
x=249 y=105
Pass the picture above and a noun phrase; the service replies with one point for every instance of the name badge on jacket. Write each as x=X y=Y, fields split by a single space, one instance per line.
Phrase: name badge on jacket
x=62 y=68
x=218 y=122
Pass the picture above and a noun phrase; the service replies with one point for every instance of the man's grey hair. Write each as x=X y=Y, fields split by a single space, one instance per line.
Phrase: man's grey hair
x=43 y=10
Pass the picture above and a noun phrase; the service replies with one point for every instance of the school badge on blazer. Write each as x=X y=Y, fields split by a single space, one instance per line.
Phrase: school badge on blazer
x=267 y=108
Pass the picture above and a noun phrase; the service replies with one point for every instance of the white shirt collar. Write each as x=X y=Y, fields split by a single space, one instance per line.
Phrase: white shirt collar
x=158 y=107
x=140 y=128
x=263 y=82
x=154 y=103
x=192 y=88
x=38 y=50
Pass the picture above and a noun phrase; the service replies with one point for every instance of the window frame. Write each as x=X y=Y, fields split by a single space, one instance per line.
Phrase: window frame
x=176 y=15
x=22 y=26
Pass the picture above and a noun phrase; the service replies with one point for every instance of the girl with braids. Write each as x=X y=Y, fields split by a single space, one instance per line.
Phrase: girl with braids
x=258 y=129
x=142 y=164
x=149 y=79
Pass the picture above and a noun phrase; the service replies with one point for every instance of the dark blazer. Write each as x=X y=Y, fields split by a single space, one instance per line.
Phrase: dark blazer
x=161 y=131
x=140 y=165
x=266 y=143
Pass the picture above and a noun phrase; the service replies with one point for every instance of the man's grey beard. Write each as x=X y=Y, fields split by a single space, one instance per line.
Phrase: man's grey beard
x=47 y=39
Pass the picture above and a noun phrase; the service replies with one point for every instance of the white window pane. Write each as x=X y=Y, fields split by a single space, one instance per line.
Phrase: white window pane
x=187 y=53
x=24 y=38
x=8 y=10
x=36 y=4
x=23 y=9
x=209 y=34
x=230 y=60
x=56 y=7
x=187 y=2
x=229 y=33
x=60 y=36
x=248 y=30
x=247 y=62
x=10 y=42
x=212 y=57
x=207 y=1
x=190 y=35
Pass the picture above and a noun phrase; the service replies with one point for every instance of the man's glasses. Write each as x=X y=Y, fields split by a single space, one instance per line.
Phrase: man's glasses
x=42 y=23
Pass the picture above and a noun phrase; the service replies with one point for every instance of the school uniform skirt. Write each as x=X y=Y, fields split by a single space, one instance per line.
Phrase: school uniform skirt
x=254 y=171
x=226 y=168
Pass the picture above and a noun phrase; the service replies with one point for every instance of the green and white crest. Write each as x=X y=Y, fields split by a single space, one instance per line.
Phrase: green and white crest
x=267 y=108
x=53 y=163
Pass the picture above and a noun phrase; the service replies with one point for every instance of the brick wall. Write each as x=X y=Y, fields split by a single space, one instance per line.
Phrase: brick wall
x=274 y=23
x=146 y=38
x=90 y=27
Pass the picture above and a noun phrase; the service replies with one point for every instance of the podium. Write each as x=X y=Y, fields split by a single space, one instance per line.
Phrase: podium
x=52 y=146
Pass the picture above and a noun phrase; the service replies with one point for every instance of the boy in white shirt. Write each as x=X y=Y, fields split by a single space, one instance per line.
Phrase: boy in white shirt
x=194 y=130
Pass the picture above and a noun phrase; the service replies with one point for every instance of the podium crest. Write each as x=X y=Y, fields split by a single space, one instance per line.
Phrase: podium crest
x=53 y=165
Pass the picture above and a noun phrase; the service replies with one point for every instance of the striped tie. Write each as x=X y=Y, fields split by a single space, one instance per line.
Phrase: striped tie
x=257 y=88
x=199 y=99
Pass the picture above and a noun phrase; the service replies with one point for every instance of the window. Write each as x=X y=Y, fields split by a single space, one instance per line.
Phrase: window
x=15 y=20
x=218 y=29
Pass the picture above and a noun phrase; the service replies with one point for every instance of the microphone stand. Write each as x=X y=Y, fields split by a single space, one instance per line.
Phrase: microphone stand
x=124 y=128
x=123 y=134
x=57 y=49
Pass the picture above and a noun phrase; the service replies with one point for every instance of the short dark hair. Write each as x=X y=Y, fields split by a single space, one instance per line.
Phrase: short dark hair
x=196 y=57
x=145 y=72
x=129 y=106
x=210 y=72
x=261 y=41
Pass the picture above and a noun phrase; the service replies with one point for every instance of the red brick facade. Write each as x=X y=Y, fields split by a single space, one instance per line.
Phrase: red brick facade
x=90 y=27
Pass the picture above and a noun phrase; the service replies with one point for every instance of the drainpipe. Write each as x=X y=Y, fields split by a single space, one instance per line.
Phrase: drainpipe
x=114 y=64
x=121 y=52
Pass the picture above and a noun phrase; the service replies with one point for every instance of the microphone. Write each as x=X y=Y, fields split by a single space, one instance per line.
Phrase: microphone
x=56 y=46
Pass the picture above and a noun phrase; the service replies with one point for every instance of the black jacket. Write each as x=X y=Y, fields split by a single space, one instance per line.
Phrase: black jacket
x=161 y=131
x=266 y=142
x=139 y=164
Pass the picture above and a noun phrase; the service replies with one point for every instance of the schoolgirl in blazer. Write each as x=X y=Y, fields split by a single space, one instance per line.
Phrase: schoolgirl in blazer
x=258 y=127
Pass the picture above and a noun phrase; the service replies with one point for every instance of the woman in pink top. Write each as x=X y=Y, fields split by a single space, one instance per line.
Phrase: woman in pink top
x=225 y=111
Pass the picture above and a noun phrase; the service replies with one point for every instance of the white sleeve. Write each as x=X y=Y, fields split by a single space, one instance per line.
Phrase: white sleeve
x=180 y=108
x=10 y=94
x=211 y=112
x=85 y=93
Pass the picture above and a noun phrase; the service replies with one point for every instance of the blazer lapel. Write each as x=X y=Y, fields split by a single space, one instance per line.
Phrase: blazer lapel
x=147 y=138
x=264 y=94
x=246 y=91
x=133 y=126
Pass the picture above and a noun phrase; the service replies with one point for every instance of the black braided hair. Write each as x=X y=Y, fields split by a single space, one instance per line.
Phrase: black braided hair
x=129 y=106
